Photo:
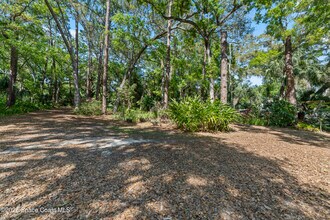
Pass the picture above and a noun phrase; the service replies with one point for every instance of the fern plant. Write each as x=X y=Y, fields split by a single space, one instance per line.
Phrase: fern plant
x=192 y=114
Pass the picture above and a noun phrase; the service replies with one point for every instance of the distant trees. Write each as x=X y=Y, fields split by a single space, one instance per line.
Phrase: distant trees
x=59 y=51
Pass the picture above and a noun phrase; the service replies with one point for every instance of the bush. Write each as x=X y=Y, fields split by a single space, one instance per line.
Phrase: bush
x=306 y=127
x=20 y=107
x=192 y=114
x=89 y=108
x=254 y=120
x=135 y=115
x=282 y=114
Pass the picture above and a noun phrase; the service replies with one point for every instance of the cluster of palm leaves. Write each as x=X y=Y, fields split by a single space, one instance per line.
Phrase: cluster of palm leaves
x=192 y=114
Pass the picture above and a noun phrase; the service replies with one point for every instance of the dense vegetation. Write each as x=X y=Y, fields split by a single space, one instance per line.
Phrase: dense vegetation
x=142 y=60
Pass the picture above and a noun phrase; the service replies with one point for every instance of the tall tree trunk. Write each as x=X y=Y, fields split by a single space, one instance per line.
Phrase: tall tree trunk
x=290 y=93
x=203 y=89
x=168 y=56
x=106 y=58
x=208 y=56
x=13 y=75
x=163 y=79
x=71 y=51
x=88 y=74
x=55 y=84
x=53 y=66
x=99 y=73
x=76 y=71
x=224 y=67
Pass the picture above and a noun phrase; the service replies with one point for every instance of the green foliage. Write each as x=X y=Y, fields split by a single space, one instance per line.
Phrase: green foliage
x=254 y=120
x=20 y=107
x=146 y=103
x=318 y=114
x=282 y=113
x=306 y=127
x=135 y=115
x=192 y=114
x=89 y=108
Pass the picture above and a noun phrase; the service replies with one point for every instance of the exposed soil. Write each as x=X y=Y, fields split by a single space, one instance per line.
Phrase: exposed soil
x=56 y=165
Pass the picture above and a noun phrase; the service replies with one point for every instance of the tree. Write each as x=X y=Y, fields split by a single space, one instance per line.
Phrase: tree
x=168 y=56
x=106 y=58
x=66 y=36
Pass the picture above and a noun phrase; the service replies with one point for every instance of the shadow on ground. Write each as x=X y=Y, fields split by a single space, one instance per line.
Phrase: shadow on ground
x=176 y=176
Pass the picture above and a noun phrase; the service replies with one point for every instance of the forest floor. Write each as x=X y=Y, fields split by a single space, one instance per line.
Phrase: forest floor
x=56 y=165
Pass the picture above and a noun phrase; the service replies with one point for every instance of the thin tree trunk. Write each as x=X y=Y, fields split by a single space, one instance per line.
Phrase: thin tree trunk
x=88 y=74
x=121 y=86
x=290 y=93
x=70 y=49
x=99 y=73
x=224 y=67
x=13 y=75
x=76 y=72
x=53 y=66
x=168 y=57
x=106 y=58
x=55 y=87
x=163 y=79
x=203 y=89
x=208 y=55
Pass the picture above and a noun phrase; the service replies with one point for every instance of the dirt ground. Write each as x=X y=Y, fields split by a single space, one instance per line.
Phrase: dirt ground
x=56 y=165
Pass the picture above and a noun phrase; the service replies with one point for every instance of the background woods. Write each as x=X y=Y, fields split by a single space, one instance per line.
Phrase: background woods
x=147 y=54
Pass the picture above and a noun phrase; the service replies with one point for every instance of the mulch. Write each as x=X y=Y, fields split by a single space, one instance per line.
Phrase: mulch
x=56 y=165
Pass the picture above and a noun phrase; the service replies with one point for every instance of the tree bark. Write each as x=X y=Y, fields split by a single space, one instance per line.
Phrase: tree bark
x=76 y=70
x=106 y=58
x=208 y=56
x=13 y=75
x=168 y=57
x=290 y=93
x=224 y=67
x=88 y=74
x=70 y=49
x=99 y=73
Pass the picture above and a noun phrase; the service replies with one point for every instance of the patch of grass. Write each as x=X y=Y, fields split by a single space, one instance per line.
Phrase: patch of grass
x=91 y=108
x=254 y=120
x=307 y=127
x=21 y=107
x=135 y=115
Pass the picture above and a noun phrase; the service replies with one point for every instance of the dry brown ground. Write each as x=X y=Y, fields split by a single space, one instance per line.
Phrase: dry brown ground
x=52 y=161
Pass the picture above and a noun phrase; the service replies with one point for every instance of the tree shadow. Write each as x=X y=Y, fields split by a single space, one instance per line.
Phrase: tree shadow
x=178 y=175
x=293 y=136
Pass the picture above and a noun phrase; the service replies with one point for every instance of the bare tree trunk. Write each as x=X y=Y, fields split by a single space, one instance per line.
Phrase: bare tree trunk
x=203 y=89
x=13 y=75
x=208 y=56
x=76 y=72
x=53 y=66
x=106 y=58
x=70 y=49
x=290 y=93
x=224 y=67
x=88 y=74
x=99 y=73
x=55 y=86
x=163 y=79
x=168 y=57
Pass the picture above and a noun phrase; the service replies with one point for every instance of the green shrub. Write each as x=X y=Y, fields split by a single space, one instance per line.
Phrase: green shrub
x=20 y=107
x=135 y=115
x=254 y=120
x=192 y=114
x=89 y=108
x=282 y=114
x=306 y=127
